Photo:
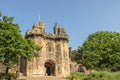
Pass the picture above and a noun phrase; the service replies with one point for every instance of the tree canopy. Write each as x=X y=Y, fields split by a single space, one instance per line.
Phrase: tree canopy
x=100 y=51
x=13 y=45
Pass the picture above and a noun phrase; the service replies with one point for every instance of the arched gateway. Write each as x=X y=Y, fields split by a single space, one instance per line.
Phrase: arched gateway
x=50 y=68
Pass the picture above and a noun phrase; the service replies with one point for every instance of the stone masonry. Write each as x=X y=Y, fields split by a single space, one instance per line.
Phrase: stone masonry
x=54 y=56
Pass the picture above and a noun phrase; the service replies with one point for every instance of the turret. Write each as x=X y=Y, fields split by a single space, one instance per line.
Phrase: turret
x=63 y=31
x=56 y=28
x=28 y=32
x=38 y=27
x=41 y=26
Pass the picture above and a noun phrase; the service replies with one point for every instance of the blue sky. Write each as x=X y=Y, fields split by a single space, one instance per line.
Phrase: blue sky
x=79 y=17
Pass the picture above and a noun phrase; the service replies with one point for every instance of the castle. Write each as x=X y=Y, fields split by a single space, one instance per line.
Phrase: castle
x=54 y=56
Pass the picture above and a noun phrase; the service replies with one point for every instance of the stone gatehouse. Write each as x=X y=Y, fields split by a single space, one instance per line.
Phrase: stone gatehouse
x=54 y=56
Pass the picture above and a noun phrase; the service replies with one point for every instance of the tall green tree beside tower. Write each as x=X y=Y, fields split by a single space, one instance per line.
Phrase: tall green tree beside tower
x=13 y=45
x=101 y=51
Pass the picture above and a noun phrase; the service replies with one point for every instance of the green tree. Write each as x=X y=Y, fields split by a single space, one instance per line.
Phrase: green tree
x=13 y=45
x=101 y=51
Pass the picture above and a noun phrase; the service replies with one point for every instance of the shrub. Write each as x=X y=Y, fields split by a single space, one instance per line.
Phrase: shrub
x=102 y=75
x=6 y=76
x=116 y=75
x=77 y=76
x=97 y=75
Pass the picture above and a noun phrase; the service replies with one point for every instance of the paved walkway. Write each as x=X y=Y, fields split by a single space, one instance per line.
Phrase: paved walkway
x=46 y=78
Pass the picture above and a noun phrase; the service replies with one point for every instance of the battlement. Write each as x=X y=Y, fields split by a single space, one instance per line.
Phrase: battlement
x=39 y=25
x=38 y=29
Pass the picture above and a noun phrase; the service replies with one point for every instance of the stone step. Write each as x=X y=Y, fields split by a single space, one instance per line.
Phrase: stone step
x=46 y=78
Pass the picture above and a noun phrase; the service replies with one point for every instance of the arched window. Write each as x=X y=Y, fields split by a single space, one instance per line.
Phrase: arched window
x=50 y=49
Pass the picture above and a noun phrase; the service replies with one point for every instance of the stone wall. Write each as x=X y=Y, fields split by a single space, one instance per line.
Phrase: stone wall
x=12 y=70
x=73 y=67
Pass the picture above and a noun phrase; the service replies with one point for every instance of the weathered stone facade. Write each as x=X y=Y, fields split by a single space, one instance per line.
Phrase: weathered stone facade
x=73 y=64
x=54 y=56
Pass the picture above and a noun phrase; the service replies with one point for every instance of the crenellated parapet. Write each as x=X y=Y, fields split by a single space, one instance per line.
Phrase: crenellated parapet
x=59 y=31
x=38 y=29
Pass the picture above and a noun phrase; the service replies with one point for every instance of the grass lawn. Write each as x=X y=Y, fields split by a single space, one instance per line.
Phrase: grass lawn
x=97 y=75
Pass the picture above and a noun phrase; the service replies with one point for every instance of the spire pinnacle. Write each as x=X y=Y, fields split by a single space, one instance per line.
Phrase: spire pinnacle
x=38 y=18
